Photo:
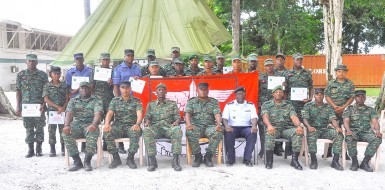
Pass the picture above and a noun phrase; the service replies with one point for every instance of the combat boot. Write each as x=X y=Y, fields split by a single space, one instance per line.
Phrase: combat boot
x=38 y=149
x=104 y=144
x=354 y=166
x=31 y=151
x=294 y=161
x=269 y=159
x=121 y=148
x=151 y=163
x=62 y=149
x=83 y=147
x=208 y=159
x=197 y=160
x=77 y=163
x=87 y=163
x=365 y=164
x=130 y=161
x=53 y=150
x=175 y=163
x=335 y=164
x=115 y=161
x=314 y=162
x=289 y=149
x=277 y=151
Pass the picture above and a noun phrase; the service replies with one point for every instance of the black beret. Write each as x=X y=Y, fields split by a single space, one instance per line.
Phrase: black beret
x=203 y=85
x=125 y=83
x=319 y=90
x=360 y=92
x=239 y=88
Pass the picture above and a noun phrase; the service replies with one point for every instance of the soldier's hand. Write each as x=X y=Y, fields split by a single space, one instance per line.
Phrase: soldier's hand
x=218 y=128
x=109 y=81
x=284 y=84
x=336 y=108
x=135 y=127
x=254 y=130
x=299 y=130
x=349 y=132
x=306 y=100
x=60 y=110
x=339 y=130
x=340 y=110
x=74 y=91
x=271 y=130
x=91 y=128
x=67 y=130
x=190 y=127
x=135 y=77
x=229 y=129
x=311 y=129
x=41 y=109
x=107 y=127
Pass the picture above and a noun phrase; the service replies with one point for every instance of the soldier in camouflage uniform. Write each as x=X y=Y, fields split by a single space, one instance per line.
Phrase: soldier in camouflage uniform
x=253 y=63
x=357 y=122
x=236 y=63
x=220 y=63
x=128 y=113
x=83 y=116
x=281 y=121
x=208 y=67
x=175 y=53
x=193 y=69
x=178 y=69
x=317 y=116
x=280 y=69
x=162 y=121
x=203 y=119
x=29 y=89
x=146 y=70
x=154 y=69
x=55 y=94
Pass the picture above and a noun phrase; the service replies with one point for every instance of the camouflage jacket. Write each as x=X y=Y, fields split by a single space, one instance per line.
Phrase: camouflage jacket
x=190 y=72
x=340 y=93
x=202 y=112
x=203 y=73
x=302 y=79
x=31 y=86
x=145 y=72
x=282 y=73
x=360 y=116
x=318 y=116
x=84 y=109
x=125 y=110
x=162 y=114
x=57 y=94
x=279 y=114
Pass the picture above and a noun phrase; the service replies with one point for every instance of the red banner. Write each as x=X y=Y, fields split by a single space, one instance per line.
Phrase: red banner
x=221 y=87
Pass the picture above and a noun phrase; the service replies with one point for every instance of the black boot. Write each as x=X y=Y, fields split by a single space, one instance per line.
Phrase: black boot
x=294 y=161
x=77 y=163
x=335 y=164
x=130 y=161
x=151 y=163
x=31 y=151
x=269 y=159
x=115 y=161
x=197 y=160
x=121 y=148
x=87 y=163
x=365 y=164
x=104 y=144
x=62 y=149
x=38 y=149
x=277 y=151
x=53 y=150
x=347 y=156
x=175 y=163
x=289 y=149
x=314 y=163
x=83 y=148
x=208 y=159
x=329 y=152
x=354 y=166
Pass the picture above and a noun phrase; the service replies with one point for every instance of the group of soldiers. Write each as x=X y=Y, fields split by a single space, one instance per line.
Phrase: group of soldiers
x=112 y=101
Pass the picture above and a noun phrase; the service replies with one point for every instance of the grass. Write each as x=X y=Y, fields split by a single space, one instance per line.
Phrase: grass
x=371 y=91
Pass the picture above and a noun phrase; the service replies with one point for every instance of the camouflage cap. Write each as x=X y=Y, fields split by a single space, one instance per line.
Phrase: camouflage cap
x=125 y=84
x=252 y=58
x=193 y=56
x=220 y=56
x=280 y=55
x=268 y=62
x=341 y=67
x=207 y=58
x=78 y=56
x=279 y=87
x=129 y=52
x=55 y=69
x=178 y=60
x=85 y=84
x=105 y=56
x=161 y=85
x=298 y=56
x=150 y=52
x=360 y=92
x=239 y=88
x=154 y=63
x=175 y=49
x=203 y=85
x=236 y=57
x=319 y=90
x=32 y=57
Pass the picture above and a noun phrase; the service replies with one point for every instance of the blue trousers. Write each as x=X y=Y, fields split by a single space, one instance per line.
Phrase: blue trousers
x=230 y=137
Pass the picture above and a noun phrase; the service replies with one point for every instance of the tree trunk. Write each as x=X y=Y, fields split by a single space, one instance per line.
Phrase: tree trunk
x=87 y=9
x=236 y=17
x=356 y=42
x=332 y=13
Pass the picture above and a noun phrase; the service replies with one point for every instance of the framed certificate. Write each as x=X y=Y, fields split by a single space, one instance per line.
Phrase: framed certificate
x=54 y=118
x=76 y=80
x=273 y=81
x=298 y=94
x=102 y=74
x=30 y=110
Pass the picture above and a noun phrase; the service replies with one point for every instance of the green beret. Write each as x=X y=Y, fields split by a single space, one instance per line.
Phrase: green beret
x=161 y=85
x=193 y=56
x=32 y=57
x=279 y=87
x=341 y=67
x=269 y=62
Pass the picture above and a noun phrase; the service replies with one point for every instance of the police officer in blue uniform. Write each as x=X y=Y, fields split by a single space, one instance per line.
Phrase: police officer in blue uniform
x=80 y=71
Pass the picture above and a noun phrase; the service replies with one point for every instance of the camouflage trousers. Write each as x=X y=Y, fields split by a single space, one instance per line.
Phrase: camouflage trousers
x=52 y=133
x=122 y=130
x=298 y=106
x=154 y=132
x=78 y=131
x=326 y=133
x=34 y=128
x=209 y=132
x=365 y=136
x=289 y=134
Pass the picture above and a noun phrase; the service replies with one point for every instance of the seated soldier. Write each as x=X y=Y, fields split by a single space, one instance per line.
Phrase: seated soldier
x=128 y=113
x=357 y=120
x=203 y=119
x=83 y=116
x=317 y=116
x=281 y=121
x=162 y=120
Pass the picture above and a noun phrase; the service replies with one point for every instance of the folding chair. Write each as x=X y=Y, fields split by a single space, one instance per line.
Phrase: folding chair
x=203 y=141
x=242 y=140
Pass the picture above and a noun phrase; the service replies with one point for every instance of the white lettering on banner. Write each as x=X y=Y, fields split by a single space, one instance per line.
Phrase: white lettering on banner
x=318 y=71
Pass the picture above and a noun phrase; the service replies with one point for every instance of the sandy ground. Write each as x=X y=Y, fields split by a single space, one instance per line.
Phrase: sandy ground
x=17 y=172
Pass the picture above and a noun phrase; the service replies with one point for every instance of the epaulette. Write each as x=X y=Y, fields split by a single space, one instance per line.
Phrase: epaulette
x=250 y=103
x=232 y=102
x=193 y=98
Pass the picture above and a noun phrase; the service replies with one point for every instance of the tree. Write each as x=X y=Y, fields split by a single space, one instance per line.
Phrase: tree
x=236 y=23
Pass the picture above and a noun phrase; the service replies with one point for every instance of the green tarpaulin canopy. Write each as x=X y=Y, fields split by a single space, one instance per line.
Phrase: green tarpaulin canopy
x=141 y=24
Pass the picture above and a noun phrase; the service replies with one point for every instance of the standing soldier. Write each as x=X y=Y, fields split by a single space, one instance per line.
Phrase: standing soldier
x=280 y=68
x=253 y=63
x=154 y=69
x=339 y=94
x=145 y=70
x=203 y=119
x=194 y=69
x=281 y=120
x=162 y=120
x=83 y=116
x=317 y=116
x=236 y=63
x=29 y=90
x=56 y=95
x=178 y=70
x=175 y=53
x=208 y=67
x=128 y=113
x=220 y=63
x=357 y=122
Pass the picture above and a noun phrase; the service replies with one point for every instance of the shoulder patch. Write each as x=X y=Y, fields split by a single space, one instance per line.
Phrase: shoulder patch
x=250 y=103
x=229 y=103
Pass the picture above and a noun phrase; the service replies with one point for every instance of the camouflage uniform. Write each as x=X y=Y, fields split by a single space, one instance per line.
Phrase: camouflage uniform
x=105 y=92
x=282 y=73
x=162 y=116
x=340 y=93
x=203 y=73
x=190 y=72
x=169 y=67
x=360 y=119
x=146 y=73
x=279 y=116
x=173 y=74
x=83 y=112
x=319 y=117
x=31 y=87
x=301 y=79
x=57 y=94
x=125 y=118
x=202 y=114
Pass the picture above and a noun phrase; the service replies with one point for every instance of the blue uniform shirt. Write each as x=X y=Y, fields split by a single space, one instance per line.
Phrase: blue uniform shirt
x=86 y=72
x=123 y=73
